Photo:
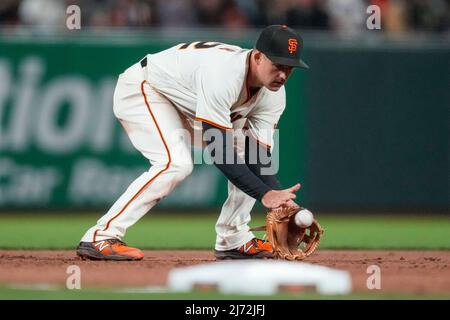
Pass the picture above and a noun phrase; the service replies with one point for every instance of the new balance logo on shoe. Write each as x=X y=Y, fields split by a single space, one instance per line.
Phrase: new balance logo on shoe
x=109 y=249
x=247 y=249
x=101 y=245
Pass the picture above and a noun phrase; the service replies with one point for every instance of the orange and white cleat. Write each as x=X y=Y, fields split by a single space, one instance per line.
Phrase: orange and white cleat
x=109 y=249
x=254 y=249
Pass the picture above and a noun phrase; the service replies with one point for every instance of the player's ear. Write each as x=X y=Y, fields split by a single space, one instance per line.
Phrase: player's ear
x=258 y=56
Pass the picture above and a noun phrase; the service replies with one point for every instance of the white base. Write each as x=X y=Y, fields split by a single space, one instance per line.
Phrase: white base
x=262 y=277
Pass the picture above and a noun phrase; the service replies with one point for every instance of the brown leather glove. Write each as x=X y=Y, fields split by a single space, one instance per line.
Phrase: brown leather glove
x=289 y=241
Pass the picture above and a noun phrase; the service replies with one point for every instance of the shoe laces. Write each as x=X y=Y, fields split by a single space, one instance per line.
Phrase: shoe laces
x=114 y=241
x=263 y=240
x=259 y=243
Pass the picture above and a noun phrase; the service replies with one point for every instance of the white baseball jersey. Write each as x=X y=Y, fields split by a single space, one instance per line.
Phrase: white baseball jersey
x=207 y=81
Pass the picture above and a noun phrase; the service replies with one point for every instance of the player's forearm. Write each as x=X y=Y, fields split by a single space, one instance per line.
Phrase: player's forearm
x=256 y=165
x=237 y=172
x=243 y=178
x=270 y=180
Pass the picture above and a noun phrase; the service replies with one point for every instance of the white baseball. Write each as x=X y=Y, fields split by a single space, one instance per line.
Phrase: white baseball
x=304 y=218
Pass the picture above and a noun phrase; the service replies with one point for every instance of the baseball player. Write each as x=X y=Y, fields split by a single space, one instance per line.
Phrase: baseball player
x=220 y=88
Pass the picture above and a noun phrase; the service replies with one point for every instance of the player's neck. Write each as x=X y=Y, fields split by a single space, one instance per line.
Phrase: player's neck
x=253 y=81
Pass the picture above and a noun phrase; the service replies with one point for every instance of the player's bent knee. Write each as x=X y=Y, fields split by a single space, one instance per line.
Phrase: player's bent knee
x=182 y=170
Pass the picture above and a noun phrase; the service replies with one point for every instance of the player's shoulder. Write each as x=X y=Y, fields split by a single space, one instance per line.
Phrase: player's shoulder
x=230 y=47
x=229 y=59
x=227 y=69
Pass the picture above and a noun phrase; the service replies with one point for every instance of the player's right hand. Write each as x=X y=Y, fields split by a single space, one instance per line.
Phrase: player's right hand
x=277 y=198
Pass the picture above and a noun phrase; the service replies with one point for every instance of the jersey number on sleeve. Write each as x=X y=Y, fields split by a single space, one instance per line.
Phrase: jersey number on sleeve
x=200 y=45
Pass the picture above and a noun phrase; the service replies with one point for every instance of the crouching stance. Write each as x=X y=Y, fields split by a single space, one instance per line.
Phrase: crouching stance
x=223 y=88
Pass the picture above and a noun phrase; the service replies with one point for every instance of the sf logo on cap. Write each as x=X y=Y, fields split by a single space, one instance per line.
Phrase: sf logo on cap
x=292 y=45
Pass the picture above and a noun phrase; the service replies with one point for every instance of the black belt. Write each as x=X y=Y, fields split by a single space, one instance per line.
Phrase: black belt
x=144 y=62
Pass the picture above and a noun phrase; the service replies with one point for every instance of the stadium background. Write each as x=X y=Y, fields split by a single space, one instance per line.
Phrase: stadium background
x=365 y=129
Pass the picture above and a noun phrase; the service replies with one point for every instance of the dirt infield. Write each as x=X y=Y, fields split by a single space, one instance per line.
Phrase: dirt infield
x=416 y=272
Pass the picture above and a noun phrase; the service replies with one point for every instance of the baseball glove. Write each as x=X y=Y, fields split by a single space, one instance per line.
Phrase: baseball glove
x=289 y=241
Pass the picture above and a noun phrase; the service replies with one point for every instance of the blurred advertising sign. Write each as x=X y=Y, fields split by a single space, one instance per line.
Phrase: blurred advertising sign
x=60 y=145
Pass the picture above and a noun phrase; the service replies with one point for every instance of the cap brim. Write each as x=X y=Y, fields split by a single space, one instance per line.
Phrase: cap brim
x=289 y=62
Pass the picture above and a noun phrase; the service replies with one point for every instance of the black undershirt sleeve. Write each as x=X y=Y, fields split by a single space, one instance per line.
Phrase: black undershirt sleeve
x=262 y=160
x=221 y=150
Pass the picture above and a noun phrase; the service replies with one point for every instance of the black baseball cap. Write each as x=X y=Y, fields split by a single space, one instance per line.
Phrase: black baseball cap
x=281 y=45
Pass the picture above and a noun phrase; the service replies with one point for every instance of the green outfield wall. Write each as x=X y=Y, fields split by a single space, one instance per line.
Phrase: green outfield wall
x=365 y=127
x=377 y=122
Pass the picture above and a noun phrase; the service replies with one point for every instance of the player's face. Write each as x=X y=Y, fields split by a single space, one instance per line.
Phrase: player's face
x=272 y=75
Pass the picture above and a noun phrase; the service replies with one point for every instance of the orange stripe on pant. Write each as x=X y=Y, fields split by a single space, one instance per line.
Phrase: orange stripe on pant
x=153 y=178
